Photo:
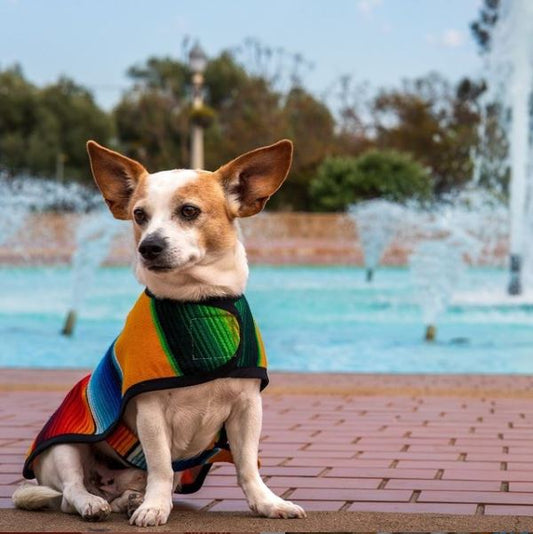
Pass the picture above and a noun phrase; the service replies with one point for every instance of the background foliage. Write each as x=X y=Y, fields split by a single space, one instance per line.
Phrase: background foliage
x=341 y=181
x=415 y=140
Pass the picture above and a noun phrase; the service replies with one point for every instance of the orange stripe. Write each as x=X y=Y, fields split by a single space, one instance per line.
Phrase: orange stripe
x=122 y=439
x=139 y=350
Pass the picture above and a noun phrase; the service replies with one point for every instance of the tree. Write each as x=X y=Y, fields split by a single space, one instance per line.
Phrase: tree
x=435 y=123
x=341 y=181
x=17 y=118
x=67 y=117
x=153 y=120
x=310 y=125
x=40 y=126
x=483 y=26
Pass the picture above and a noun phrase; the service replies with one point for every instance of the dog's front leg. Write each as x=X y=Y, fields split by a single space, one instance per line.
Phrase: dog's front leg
x=243 y=428
x=155 y=441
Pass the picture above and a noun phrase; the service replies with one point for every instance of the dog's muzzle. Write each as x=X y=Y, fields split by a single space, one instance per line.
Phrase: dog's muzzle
x=152 y=249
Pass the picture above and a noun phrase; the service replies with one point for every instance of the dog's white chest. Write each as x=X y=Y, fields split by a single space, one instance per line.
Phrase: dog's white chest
x=193 y=415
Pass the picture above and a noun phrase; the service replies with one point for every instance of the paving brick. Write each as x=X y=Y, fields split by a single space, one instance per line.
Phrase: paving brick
x=325 y=483
x=6 y=503
x=484 y=497
x=521 y=486
x=6 y=491
x=508 y=510
x=228 y=492
x=313 y=455
x=371 y=472
x=434 y=484
x=411 y=455
x=466 y=449
x=483 y=474
x=10 y=478
x=325 y=494
x=290 y=471
x=11 y=468
x=323 y=448
x=519 y=466
x=336 y=462
x=442 y=464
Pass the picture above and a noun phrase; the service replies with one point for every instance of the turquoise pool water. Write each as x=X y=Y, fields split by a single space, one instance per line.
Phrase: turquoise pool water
x=312 y=319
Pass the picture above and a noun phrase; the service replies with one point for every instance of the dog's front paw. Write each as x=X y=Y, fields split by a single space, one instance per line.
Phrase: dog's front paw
x=278 y=509
x=150 y=515
x=95 y=509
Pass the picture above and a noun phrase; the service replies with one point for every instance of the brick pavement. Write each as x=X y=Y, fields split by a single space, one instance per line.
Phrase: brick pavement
x=400 y=449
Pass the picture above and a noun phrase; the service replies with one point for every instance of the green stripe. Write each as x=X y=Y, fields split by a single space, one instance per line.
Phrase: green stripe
x=163 y=340
x=211 y=336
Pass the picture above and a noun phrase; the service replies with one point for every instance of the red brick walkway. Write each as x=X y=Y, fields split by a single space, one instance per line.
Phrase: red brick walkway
x=457 y=449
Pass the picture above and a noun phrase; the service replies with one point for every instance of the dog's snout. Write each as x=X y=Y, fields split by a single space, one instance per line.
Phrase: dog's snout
x=152 y=246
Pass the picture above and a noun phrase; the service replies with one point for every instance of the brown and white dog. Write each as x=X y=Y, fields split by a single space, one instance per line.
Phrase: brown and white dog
x=188 y=248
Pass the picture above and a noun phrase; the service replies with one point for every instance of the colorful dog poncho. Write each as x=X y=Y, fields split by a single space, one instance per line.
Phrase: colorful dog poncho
x=164 y=344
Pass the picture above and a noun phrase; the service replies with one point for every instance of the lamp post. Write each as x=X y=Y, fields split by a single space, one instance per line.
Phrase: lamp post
x=197 y=62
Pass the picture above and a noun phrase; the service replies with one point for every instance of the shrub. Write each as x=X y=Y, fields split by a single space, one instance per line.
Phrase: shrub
x=395 y=176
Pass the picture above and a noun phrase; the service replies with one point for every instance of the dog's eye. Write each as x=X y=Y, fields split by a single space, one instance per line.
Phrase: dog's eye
x=189 y=212
x=140 y=216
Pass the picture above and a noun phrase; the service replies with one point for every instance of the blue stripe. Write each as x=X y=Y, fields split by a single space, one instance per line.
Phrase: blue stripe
x=104 y=393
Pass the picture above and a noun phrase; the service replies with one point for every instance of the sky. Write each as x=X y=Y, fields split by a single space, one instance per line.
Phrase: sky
x=376 y=41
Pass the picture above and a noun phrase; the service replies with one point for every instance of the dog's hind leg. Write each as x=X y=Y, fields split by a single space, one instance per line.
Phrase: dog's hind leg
x=62 y=468
x=128 y=502
x=243 y=428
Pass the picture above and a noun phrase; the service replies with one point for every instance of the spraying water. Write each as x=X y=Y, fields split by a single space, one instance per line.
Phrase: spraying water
x=451 y=239
x=460 y=229
x=94 y=228
x=511 y=82
x=377 y=224
x=94 y=234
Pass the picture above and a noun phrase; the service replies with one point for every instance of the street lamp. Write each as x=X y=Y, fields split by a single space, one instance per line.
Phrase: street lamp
x=197 y=63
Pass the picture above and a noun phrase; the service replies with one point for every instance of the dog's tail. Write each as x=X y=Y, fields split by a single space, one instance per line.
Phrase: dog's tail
x=33 y=497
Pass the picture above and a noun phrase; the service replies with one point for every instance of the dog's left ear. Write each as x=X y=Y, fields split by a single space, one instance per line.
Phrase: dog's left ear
x=251 y=179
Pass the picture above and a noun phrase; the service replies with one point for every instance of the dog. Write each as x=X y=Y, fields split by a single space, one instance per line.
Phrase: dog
x=187 y=251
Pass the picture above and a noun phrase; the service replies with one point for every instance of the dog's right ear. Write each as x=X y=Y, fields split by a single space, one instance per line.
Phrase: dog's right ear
x=116 y=176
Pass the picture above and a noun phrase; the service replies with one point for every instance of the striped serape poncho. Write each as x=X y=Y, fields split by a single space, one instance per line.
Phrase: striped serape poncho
x=164 y=344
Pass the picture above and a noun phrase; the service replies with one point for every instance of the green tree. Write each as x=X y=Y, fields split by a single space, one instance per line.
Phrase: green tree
x=17 y=118
x=395 y=176
x=68 y=112
x=153 y=120
x=435 y=122
x=40 y=126
x=310 y=125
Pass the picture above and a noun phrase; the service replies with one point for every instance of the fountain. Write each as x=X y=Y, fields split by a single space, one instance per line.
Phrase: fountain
x=377 y=224
x=450 y=239
x=25 y=197
x=510 y=67
x=460 y=229
x=94 y=234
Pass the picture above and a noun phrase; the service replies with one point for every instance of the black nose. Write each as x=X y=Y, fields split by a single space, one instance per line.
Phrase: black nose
x=151 y=247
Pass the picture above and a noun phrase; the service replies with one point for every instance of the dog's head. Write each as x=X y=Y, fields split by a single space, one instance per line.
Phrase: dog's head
x=185 y=218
